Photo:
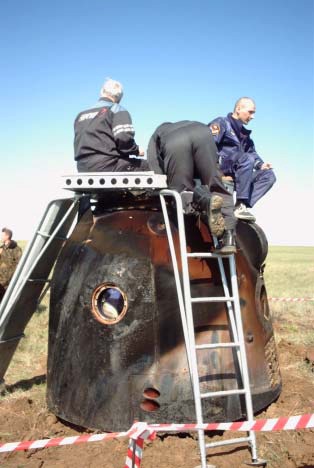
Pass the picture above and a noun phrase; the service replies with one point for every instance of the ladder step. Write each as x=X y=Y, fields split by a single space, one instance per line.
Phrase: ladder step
x=206 y=255
x=43 y=234
x=39 y=280
x=238 y=440
x=240 y=391
x=196 y=300
x=47 y=236
x=217 y=345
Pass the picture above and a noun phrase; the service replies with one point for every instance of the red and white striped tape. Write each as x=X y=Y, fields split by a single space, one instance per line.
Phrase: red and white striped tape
x=145 y=431
x=277 y=424
x=291 y=299
x=60 y=441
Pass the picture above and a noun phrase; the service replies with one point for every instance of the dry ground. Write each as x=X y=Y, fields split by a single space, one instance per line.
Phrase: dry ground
x=23 y=413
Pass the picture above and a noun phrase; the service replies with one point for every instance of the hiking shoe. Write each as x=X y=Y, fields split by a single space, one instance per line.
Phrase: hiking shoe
x=210 y=206
x=241 y=212
x=216 y=221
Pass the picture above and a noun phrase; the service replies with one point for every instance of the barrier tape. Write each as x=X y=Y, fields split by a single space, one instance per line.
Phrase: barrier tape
x=291 y=299
x=140 y=432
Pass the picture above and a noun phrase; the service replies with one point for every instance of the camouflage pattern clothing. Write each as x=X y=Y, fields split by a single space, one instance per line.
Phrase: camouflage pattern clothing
x=10 y=255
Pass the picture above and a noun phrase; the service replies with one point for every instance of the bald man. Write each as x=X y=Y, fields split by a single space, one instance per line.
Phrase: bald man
x=239 y=159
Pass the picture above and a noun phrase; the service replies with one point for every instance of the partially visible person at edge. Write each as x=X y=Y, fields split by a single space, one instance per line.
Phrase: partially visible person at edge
x=239 y=159
x=104 y=135
x=184 y=150
x=10 y=254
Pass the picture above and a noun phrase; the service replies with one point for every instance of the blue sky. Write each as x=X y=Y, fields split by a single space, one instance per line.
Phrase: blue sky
x=176 y=60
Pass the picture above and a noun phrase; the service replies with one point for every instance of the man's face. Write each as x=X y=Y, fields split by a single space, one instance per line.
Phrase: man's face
x=246 y=111
x=4 y=237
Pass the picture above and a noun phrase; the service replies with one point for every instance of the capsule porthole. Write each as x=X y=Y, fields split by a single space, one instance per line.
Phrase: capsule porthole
x=109 y=304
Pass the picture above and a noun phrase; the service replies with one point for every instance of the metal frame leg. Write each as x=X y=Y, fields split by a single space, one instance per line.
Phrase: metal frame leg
x=188 y=314
x=243 y=358
x=27 y=263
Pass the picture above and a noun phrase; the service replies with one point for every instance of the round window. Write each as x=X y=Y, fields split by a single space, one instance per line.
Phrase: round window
x=109 y=303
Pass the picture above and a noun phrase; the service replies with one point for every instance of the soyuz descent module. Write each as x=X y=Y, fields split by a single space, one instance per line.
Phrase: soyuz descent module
x=116 y=346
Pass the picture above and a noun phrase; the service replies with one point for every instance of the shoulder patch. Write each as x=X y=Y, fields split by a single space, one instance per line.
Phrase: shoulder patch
x=87 y=116
x=215 y=129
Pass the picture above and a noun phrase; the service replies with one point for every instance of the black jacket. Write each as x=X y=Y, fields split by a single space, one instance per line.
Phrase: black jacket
x=104 y=131
x=155 y=154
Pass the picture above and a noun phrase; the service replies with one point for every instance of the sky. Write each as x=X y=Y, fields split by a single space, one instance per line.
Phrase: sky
x=177 y=60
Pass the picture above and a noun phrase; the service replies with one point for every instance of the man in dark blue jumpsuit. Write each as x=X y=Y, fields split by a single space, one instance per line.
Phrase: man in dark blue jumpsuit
x=184 y=150
x=239 y=159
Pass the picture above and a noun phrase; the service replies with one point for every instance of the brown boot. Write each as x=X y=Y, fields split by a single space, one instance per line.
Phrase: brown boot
x=210 y=206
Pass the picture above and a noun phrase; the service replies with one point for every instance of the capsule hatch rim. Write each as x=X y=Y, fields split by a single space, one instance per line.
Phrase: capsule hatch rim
x=84 y=182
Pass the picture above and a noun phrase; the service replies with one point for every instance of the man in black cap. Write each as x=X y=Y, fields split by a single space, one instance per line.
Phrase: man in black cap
x=184 y=150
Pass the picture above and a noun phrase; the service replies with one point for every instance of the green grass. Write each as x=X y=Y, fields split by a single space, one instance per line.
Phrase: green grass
x=26 y=374
x=289 y=272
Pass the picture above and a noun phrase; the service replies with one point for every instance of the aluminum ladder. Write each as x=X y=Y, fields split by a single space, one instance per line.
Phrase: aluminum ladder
x=234 y=315
x=27 y=285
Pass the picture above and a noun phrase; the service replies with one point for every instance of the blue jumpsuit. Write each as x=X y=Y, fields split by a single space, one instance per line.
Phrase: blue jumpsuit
x=239 y=159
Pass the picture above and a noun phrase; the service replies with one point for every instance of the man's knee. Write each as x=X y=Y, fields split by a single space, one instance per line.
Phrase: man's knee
x=269 y=175
x=272 y=176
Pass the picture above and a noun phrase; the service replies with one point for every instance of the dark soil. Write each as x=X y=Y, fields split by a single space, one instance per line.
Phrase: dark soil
x=23 y=418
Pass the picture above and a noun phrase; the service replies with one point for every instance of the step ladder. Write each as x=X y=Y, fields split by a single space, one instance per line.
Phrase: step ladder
x=31 y=277
x=231 y=298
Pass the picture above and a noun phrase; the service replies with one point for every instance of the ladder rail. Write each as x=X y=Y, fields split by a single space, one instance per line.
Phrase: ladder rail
x=16 y=276
x=229 y=304
x=188 y=317
x=243 y=357
x=176 y=274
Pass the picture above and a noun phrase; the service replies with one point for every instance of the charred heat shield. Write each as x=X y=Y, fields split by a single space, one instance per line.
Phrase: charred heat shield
x=116 y=346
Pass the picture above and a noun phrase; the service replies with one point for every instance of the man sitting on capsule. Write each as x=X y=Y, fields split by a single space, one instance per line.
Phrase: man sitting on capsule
x=104 y=135
x=184 y=150
x=239 y=159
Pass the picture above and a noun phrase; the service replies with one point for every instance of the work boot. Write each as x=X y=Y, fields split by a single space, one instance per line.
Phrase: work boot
x=227 y=243
x=210 y=205
x=241 y=212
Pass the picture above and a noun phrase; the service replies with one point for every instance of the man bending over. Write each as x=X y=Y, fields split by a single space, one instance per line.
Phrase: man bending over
x=184 y=150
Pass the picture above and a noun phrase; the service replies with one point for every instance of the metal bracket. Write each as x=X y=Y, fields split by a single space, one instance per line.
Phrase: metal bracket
x=94 y=182
x=257 y=462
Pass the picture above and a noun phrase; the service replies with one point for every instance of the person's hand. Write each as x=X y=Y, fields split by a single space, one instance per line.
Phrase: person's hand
x=141 y=152
x=266 y=166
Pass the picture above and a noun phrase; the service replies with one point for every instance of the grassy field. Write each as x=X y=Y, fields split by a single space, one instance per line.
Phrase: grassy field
x=289 y=272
